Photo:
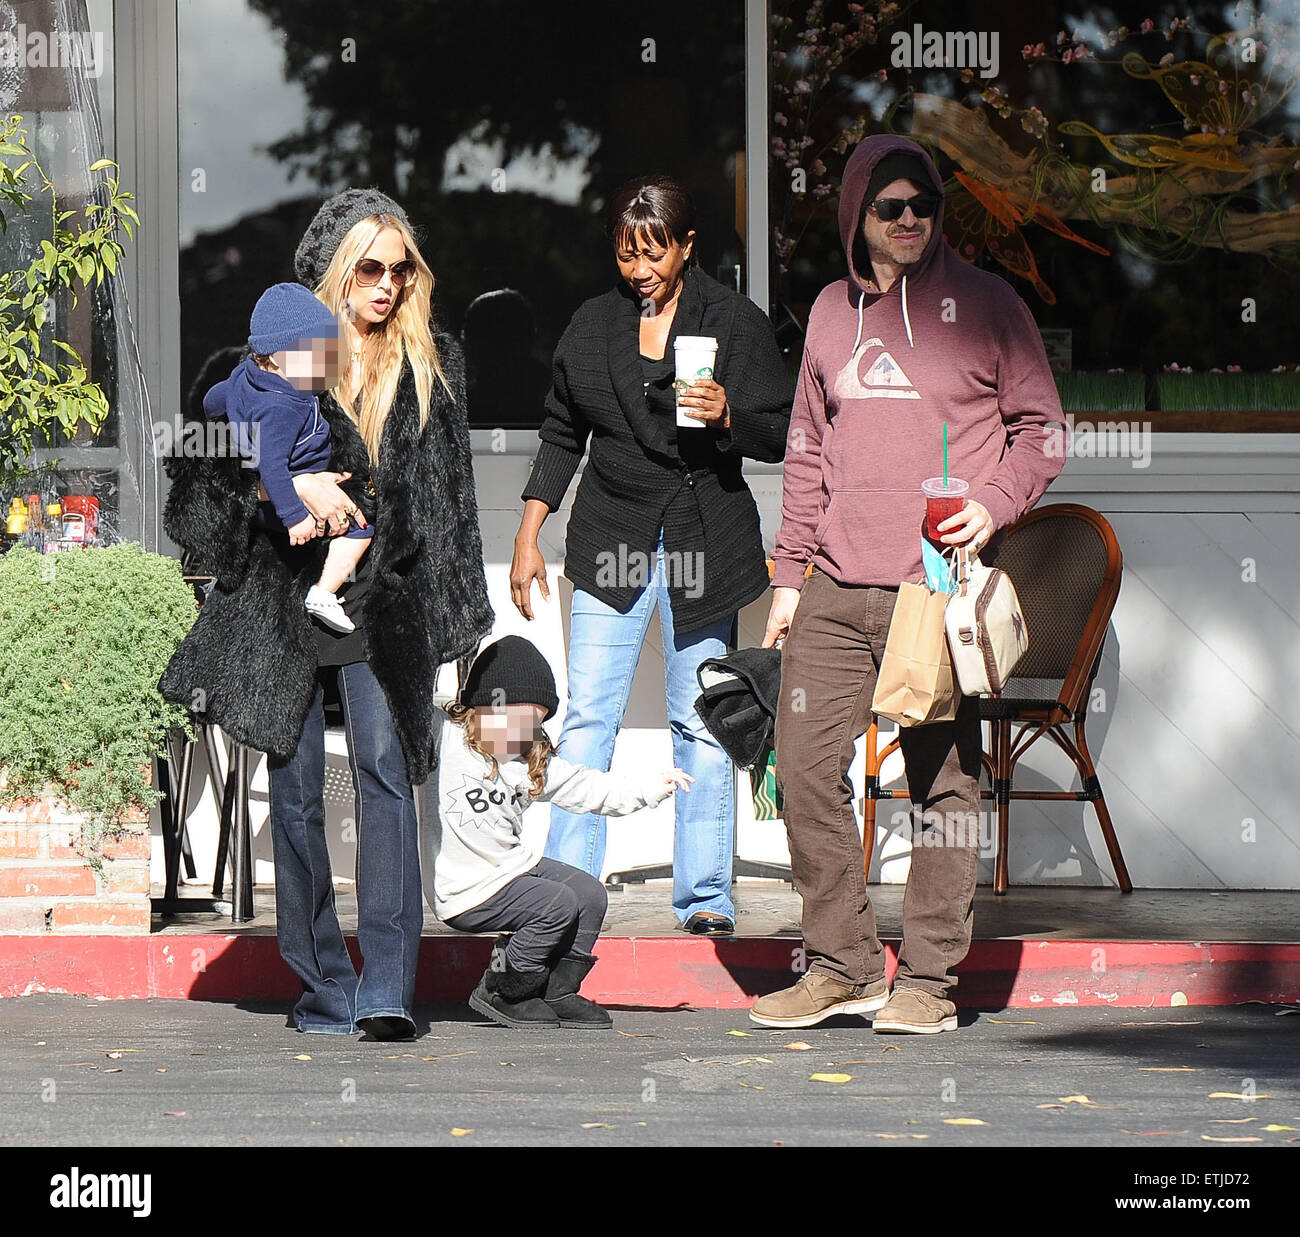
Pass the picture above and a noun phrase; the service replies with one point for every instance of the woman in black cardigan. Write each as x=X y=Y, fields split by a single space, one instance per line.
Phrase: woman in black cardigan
x=255 y=663
x=662 y=518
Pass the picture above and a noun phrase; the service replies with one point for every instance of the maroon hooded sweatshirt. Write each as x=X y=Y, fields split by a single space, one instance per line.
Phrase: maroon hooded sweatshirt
x=881 y=374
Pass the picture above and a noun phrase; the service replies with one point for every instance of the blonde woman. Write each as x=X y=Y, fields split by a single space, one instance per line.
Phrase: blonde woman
x=261 y=669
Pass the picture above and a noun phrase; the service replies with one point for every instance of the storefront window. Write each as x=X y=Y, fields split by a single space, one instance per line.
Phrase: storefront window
x=57 y=74
x=1133 y=174
x=499 y=126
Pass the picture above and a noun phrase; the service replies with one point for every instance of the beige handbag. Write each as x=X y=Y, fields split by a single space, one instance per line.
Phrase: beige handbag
x=915 y=684
x=987 y=635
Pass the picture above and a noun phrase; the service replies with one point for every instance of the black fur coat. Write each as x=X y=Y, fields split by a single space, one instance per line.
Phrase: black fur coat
x=249 y=663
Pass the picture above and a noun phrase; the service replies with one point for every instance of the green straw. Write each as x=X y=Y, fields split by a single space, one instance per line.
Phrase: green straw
x=945 y=455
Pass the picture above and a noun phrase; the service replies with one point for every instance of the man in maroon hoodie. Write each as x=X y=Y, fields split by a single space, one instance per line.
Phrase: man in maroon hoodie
x=913 y=338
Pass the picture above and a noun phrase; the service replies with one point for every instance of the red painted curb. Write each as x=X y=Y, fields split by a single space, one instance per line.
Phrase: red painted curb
x=669 y=972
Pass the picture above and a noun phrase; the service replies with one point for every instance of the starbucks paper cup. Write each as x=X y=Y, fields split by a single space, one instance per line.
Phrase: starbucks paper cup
x=695 y=355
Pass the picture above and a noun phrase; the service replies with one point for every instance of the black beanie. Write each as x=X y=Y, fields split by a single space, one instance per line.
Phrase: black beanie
x=900 y=166
x=510 y=671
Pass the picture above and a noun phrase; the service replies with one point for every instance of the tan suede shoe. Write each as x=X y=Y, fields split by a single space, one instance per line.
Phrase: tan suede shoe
x=912 y=1011
x=815 y=998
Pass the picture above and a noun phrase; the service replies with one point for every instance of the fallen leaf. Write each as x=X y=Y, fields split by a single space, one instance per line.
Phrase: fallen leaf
x=898 y=1135
x=1231 y=1120
x=1274 y=1129
x=745 y=1034
x=1077 y=1099
x=632 y=1035
x=798 y=1046
x=596 y=1125
x=457 y=1132
x=830 y=1078
x=1167 y=1069
x=1232 y=1095
x=302 y=1056
x=1049 y=1105
x=1015 y=1022
x=1178 y=999
x=890 y=1048
x=963 y=1121
x=1152 y=1133
x=750 y=1086
x=447 y=1056
x=1251 y=1138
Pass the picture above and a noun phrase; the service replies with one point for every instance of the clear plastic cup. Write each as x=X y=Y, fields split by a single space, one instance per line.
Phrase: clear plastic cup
x=942 y=501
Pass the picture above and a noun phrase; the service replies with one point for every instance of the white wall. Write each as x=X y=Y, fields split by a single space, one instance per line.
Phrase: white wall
x=1197 y=733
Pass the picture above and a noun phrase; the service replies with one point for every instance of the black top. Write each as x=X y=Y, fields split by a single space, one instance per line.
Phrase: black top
x=642 y=476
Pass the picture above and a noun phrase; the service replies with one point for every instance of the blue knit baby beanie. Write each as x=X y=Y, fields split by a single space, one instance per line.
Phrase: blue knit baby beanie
x=286 y=313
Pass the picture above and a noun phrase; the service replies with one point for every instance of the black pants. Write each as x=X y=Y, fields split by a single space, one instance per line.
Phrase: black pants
x=552 y=910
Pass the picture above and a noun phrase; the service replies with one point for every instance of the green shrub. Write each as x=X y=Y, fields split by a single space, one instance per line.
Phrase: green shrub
x=84 y=637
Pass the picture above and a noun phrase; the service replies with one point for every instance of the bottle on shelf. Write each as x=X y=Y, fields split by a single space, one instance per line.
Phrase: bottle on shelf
x=53 y=527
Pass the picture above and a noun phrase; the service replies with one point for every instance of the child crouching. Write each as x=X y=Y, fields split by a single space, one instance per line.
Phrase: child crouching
x=493 y=760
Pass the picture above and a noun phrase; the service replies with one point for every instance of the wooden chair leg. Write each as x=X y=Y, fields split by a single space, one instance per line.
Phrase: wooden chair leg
x=1002 y=797
x=1092 y=784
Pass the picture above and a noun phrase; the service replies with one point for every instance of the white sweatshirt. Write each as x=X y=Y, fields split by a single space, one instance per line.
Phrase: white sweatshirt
x=470 y=825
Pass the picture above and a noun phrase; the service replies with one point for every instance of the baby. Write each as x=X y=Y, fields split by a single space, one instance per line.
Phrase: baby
x=270 y=397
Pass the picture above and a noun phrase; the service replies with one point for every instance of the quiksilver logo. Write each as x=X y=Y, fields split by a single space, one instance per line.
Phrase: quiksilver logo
x=97 y=1190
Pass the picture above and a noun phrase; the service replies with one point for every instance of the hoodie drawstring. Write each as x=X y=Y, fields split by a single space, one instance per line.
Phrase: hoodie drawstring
x=907 y=322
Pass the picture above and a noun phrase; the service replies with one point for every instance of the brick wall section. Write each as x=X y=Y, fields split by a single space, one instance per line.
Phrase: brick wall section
x=47 y=886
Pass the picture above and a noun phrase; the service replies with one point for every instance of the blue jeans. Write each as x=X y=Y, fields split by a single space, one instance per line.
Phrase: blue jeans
x=390 y=900
x=604 y=646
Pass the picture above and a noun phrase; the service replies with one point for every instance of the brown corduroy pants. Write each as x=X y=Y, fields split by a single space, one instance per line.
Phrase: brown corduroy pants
x=828 y=676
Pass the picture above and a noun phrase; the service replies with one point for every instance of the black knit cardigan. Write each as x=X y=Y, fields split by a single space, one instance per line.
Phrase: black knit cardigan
x=249 y=663
x=642 y=476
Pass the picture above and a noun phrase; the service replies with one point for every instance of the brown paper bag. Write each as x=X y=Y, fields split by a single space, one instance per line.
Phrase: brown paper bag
x=915 y=684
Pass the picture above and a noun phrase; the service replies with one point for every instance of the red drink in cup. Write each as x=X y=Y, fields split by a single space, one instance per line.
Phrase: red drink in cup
x=942 y=500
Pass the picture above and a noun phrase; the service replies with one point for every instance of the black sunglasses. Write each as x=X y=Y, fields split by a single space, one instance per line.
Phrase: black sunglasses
x=888 y=209
x=369 y=271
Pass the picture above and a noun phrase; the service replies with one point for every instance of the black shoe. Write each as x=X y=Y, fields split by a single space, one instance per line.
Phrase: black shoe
x=703 y=923
x=387 y=1027
x=562 y=994
x=513 y=998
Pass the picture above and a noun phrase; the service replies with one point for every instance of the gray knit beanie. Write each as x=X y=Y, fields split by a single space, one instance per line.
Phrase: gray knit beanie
x=335 y=219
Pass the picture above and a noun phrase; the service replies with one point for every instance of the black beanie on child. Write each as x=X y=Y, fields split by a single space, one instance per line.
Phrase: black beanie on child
x=510 y=671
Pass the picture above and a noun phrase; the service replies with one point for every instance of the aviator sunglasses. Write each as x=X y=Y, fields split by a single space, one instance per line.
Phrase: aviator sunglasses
x=369 y=271
x=889 y=209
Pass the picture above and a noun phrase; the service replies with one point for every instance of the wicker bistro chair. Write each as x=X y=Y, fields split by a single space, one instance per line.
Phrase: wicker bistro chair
x=1066 y=565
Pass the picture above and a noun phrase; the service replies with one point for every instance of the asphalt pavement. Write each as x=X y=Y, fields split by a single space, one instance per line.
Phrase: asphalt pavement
x=76 y=1072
